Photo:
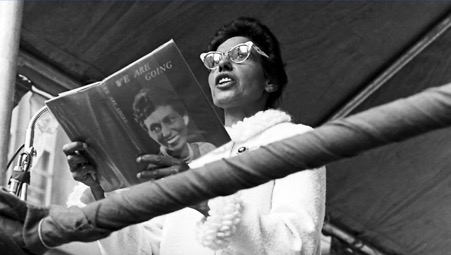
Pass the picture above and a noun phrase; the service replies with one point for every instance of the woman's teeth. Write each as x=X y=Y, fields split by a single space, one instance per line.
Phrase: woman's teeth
x=172 y=140
x=224 y=80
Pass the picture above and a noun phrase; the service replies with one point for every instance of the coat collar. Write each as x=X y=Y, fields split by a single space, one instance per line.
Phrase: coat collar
x=256 y=124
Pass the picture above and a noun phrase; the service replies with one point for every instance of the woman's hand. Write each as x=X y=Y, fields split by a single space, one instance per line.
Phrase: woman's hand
x=82 y=170
x=159 y=166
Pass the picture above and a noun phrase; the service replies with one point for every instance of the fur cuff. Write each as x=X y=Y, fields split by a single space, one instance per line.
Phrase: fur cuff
x=216 y=230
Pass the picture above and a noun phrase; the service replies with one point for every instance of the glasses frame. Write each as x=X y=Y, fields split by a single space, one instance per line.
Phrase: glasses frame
x=249 y=44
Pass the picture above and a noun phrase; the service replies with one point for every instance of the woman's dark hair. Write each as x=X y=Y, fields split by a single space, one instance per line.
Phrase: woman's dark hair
x=149 y=99
x=260 y=35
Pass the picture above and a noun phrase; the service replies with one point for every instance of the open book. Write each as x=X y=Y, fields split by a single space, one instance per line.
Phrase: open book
x=154 y=105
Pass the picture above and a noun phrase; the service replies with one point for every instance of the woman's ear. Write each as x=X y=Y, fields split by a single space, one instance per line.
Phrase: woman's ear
x=185 y=119
x=270 y=86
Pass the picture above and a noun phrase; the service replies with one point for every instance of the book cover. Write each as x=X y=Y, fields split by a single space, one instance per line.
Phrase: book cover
x=154 y=105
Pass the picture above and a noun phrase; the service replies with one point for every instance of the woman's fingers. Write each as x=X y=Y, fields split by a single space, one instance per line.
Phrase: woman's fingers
x=79 y=164
x=74 y=147
x=86 y=174
x=76 y=161
x=158 y=173
x=160 y=166
x=75 y=158
x=158 y=160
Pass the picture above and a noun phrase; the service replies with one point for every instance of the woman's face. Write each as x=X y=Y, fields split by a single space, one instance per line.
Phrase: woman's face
x=168 y=128
x=238 y=85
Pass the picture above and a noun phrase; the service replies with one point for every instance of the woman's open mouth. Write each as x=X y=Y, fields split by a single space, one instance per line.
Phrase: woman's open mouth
x=223 y=81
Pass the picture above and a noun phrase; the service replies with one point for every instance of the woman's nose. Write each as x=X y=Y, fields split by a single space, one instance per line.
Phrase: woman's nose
x=165 y=131
x=225 y=64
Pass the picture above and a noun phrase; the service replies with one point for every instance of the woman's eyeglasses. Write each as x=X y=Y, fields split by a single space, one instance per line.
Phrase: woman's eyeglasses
x=237 y=54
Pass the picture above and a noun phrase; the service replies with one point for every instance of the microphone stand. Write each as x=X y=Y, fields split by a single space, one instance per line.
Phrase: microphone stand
x=20 y=178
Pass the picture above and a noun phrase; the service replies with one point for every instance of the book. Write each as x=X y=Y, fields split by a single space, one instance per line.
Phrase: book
x=127 y=115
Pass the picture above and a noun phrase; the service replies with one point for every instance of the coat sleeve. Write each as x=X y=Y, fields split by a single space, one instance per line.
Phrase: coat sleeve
x=143 y=239
x=293 y=224
x=294 y=221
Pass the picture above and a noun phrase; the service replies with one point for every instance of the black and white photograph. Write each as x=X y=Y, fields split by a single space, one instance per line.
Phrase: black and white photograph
x=211 y=127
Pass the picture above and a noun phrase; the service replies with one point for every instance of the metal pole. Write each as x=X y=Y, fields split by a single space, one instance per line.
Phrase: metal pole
x=332 y=230
x=404 y=60
x=10 y=25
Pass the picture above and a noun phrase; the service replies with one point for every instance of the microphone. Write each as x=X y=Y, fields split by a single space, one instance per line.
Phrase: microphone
x=20 y=177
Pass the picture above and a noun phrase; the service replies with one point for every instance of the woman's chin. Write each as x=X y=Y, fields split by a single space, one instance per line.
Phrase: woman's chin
x=175 y=151
x=224 y=101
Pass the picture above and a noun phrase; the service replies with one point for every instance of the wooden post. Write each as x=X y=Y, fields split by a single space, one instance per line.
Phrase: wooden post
x=10 y=26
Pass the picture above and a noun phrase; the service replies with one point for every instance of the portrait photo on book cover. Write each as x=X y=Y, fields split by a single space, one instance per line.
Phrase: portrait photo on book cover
x=162 y=115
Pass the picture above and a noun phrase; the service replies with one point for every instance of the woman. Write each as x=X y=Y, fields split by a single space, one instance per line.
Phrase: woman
x=285 y=216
